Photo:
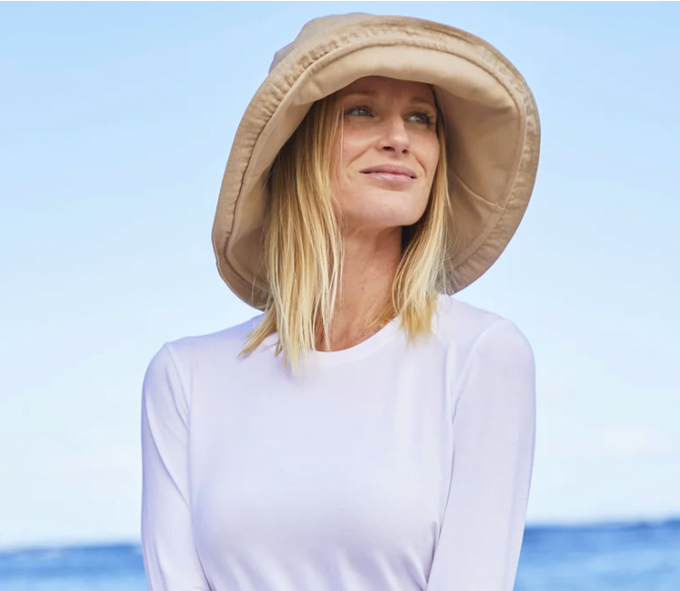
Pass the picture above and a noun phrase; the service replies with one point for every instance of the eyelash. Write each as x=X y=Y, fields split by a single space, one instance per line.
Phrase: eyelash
x=428 y=118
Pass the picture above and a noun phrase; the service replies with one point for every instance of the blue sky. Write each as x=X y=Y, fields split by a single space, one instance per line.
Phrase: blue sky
x=116 y=123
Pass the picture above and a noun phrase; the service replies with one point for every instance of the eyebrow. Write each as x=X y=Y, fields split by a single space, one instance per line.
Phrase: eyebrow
x=373 y=93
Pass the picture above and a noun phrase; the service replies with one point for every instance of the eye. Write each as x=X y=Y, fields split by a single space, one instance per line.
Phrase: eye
x=423 y=118
x=359 y=108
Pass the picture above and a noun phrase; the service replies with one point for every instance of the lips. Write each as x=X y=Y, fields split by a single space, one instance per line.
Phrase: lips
x=391 y=169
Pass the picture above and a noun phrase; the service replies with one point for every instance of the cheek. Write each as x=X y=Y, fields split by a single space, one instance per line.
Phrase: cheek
x=432 y=152
x=346 y=152
x=353 y=144
x=426 y=150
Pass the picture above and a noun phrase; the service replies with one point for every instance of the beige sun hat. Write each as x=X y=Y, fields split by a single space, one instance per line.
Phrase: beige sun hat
x=491 y=120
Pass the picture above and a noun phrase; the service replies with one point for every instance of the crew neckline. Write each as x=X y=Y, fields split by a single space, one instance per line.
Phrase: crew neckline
x=328 y=358
x=362 y=349
x=385 y=335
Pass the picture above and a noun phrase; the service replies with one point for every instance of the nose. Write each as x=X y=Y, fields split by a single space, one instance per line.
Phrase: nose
x=395 y=137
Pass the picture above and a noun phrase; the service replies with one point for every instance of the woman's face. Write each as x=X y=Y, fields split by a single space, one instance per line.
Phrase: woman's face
x=385 y=153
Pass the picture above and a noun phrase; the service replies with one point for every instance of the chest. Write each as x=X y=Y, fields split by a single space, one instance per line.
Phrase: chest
x=355 y=458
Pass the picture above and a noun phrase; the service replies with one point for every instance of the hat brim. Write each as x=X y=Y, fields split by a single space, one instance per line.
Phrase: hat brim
x=493 y=136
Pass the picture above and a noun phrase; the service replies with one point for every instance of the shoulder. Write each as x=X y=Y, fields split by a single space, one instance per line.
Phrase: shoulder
x=182 y=365
x=464 y=324
x=216 y=348
x=490 y=367
x=472 y=333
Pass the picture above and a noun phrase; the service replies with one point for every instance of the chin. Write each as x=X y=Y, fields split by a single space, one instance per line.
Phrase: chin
x=384 y=209
x=384 y=220
x=403 y=211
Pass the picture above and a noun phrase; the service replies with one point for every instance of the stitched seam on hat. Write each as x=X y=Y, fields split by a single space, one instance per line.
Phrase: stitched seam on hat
x=462 y=182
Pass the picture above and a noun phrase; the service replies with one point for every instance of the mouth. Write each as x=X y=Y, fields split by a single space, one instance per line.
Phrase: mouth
x=390 y=171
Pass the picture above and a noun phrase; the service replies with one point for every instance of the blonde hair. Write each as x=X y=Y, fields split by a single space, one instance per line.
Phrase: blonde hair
x=303 y=249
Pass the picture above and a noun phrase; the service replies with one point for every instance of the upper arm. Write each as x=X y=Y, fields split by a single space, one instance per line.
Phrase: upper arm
x=494 y=425
x=170 y=558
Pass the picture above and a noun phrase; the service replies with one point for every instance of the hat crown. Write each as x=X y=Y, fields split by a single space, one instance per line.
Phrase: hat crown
x=315 y=27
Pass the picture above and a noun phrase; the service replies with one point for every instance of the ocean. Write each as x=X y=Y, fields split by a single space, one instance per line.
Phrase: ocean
x=612 y=557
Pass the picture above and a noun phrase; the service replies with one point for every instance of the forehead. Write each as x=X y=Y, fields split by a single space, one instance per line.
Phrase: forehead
x=391 y=87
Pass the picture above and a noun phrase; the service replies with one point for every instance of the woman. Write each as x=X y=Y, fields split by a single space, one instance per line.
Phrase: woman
x=367 y=431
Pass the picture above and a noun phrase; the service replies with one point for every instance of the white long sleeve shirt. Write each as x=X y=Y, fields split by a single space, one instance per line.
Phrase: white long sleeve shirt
x=385 y=468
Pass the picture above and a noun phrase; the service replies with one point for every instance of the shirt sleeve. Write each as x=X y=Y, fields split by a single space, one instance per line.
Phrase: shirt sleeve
x=170 y=559
x=494 y=426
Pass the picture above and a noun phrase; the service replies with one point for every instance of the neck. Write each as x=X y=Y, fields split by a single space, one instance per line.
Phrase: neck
x=371 y=261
